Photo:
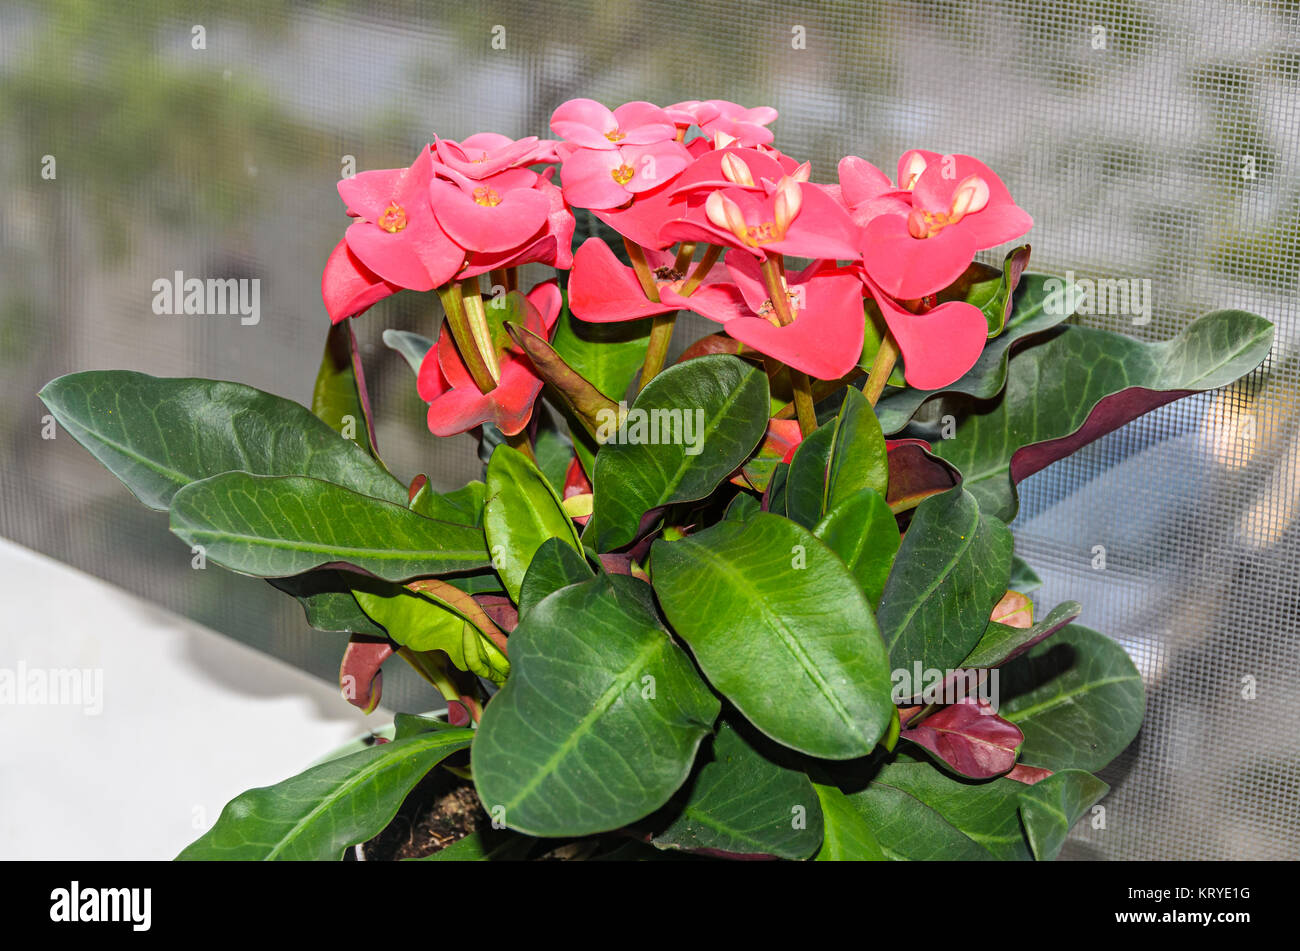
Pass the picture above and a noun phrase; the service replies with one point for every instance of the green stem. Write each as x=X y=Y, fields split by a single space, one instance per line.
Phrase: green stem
x=639 y=264
x=685 y=251
x=711 y=255
x=656 y=354
x=776 y=290
x=881 y=367
x=478 y=327
x=458 y=322
x=521 y=442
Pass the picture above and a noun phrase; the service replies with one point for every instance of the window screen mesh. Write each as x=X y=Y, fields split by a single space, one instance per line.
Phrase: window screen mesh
x=1150 y=140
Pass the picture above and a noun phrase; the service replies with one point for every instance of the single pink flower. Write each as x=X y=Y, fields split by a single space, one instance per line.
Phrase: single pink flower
x=485 y=154
x=348 y=286
x=938 y=345
x=609 y=178
x=611 y=157
x=602 y=289
x=958 y=207
x=588 y=124
x=455 y=403
x=866 y=192
x=498 y=213
x=552 y=245
x=825 y=337
x=791 y=216
x=396 y=235
x=745 y=126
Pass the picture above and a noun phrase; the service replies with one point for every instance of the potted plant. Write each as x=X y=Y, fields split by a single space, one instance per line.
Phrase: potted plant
x=761 y=601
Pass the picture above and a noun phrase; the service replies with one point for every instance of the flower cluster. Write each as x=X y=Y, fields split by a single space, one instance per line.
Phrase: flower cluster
x=709 y=212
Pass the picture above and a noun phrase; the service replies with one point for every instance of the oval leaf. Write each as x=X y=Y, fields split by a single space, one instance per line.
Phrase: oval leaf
x=688 y=430
x=521 y=511
x=742 y=803
x=317 y=814
x=601 y=717
x=271 y=526
x=778 y=624
x=158 y=435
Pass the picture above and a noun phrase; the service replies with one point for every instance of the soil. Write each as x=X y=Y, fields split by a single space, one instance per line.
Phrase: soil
x=441 y=810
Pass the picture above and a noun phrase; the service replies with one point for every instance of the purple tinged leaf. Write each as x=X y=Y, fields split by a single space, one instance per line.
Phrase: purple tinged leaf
x=969 y=738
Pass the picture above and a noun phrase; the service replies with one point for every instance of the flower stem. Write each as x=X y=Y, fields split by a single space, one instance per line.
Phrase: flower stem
x=656 y=354
x=521 y=442
x=779 y=296
x=697 y=276
x=881 y=367
x=458 y=321
x=639 y=264
x=685 y=251
x=478 y=326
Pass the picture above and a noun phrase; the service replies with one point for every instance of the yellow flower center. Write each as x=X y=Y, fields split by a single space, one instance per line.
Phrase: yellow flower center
x=393 y=219
x=615 y=136
x=623 y=174
x=486 y=196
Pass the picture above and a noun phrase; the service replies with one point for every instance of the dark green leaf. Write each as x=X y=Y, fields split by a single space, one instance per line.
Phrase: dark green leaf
x=1030 y=315
x=1078 y=699
x=1081 y=383
x=950 y=571
x=276 y=526
x=555 y=565
x=778 y=625
x=1023 y=578
x=864 y=533
x=1002 y=642
x=858 y=459
x=742 y=803
x=920 y=813
x=600 y=720
x=805 y=484
x=158 y=435
x=1051 y=807
x=317 y=814
x=327 y=601
x=726 y=401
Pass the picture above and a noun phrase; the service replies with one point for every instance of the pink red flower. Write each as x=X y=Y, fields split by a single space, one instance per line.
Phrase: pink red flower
x=349 y=287
x=485 y=154
x=498 y=213
x=602 y=289
x=938 y=345
x=789 y=216
x=958 y=207
x=825 y=337
x=455 y=403
x=720 y=119
x=609 y=157
x=396 y=235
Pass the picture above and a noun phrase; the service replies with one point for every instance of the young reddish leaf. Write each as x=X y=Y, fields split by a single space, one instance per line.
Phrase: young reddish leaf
x=969 y=738
x=1014 y=610
x=360 y=678
x=915 y=474
x=1028 y=774
x=587 y=402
